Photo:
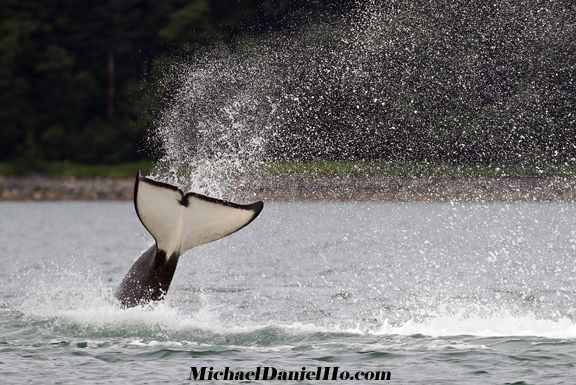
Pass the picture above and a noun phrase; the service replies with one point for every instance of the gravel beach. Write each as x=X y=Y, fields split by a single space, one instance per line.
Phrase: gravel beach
x=393 y=189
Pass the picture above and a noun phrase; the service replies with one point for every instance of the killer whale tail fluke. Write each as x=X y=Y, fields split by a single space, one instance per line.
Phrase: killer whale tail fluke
x=178 y=221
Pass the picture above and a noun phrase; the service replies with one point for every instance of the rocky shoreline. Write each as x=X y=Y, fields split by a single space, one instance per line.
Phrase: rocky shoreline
x=388 y=189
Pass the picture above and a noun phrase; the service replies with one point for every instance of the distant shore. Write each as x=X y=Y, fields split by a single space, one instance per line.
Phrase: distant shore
x=308 y=188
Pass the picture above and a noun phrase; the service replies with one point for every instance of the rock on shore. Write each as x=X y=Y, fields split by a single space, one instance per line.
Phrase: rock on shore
x=65 y=188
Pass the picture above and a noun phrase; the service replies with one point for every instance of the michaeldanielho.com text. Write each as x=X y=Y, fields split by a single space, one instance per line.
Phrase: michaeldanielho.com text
x=269 y=373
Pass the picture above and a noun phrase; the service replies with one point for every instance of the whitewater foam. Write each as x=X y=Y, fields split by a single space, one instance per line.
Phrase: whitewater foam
x=164 y=322
x=60 y=299
x=502 y=324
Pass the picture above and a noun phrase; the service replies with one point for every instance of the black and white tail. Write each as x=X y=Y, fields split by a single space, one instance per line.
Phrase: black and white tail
x=178 y=221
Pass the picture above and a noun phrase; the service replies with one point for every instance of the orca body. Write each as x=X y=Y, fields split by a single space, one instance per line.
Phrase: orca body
x=178 y=221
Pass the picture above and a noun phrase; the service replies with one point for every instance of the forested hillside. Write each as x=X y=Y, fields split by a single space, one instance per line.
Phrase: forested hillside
x=78 y=77
x=476 y=82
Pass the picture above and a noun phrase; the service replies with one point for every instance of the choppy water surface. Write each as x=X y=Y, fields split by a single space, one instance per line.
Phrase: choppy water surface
x=434 y=293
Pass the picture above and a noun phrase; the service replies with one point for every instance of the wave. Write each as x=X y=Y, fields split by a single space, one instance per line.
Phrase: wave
x=500 y=324
x=69 y=307
x=162 y=322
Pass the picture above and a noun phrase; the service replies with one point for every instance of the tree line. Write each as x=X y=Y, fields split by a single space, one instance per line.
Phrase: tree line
x=78 y=78
x=489 y=81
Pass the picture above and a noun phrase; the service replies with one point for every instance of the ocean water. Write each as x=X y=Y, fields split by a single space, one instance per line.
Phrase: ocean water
x=432 y=293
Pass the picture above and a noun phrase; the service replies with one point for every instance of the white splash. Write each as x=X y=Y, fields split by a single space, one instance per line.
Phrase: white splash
x=501 y=324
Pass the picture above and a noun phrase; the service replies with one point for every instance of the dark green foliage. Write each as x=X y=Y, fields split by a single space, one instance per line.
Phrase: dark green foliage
x=77 y=78
x=463 y=81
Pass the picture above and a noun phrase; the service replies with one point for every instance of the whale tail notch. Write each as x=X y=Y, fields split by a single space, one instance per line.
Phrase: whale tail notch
x=179 y=221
